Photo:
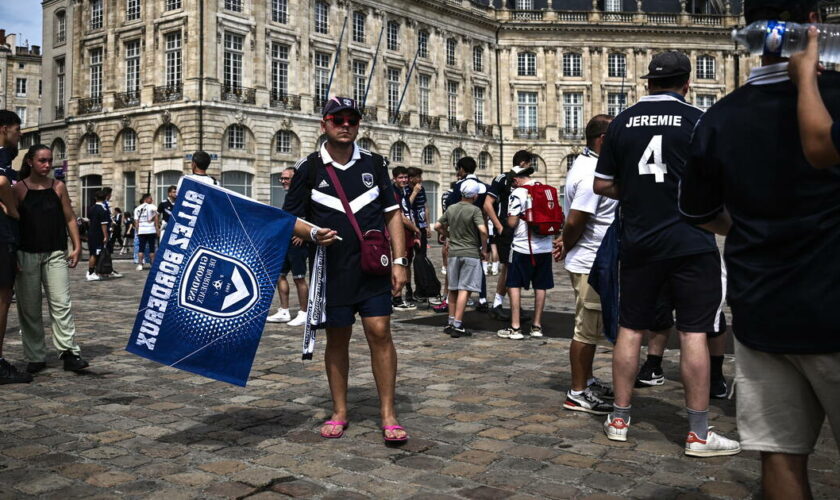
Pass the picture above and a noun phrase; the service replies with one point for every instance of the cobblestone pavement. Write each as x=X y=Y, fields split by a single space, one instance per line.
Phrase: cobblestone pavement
x=485 y=417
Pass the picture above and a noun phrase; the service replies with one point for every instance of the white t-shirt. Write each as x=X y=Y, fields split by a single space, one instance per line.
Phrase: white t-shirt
x=518 y=203
x=201 y=178
x=145 y=216
x=580 y=196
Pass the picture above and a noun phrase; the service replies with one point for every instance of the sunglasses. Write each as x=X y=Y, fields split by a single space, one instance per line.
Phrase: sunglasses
x=339 y=121
x=285 y=178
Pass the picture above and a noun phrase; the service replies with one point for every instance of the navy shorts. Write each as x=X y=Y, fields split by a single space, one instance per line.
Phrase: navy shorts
x=665 y=313
x=295 y=261
x=522 y=274
x=341 y=316
x=147 y=240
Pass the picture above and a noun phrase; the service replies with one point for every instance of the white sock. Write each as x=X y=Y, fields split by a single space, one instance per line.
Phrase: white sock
x=451 y=320
x=482 y=301
x=495 y=267
x=576 y=393
x=484 y=266
x=498 y=300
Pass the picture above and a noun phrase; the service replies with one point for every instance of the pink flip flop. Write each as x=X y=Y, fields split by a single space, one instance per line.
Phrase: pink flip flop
x=393 y=440
x=343 y=425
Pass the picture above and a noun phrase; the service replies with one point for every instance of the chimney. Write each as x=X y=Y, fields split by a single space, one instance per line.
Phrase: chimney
x=36 y=50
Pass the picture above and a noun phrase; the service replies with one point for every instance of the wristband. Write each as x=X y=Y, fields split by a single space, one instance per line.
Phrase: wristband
x=312 y=233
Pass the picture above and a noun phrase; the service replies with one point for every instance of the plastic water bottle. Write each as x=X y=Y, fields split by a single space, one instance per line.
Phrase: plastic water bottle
x=783 y=39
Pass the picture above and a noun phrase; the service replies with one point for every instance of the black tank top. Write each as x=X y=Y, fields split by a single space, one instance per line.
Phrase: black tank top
x=42 y=224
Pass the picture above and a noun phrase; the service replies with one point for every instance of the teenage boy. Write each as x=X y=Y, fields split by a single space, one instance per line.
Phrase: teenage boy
x=401 y=195
x=147 y=228
x=463 y=225
x=530 y=259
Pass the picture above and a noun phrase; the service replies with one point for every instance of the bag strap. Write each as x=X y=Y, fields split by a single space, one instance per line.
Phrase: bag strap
x=343 y=197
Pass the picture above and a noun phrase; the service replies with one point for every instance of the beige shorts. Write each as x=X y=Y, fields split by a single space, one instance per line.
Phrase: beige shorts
x=783 y=399
x=589 y=325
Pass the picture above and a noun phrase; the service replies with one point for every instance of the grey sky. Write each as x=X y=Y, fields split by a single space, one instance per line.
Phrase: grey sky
x=22 y=17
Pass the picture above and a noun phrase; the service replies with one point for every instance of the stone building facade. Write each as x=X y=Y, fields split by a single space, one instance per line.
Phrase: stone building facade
x=21 y=85
x=132 y=88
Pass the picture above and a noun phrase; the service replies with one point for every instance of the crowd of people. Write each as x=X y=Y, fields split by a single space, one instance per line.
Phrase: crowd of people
x=641 y=207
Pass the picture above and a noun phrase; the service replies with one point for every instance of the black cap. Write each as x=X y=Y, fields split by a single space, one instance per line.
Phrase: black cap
x=668 y=64
x=337 y=104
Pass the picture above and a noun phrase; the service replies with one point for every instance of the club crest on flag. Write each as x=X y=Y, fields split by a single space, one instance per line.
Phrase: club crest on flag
x=218 y=285
x=367 y=179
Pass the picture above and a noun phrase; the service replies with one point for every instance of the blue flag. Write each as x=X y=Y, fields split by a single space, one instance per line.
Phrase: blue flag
x=210 y=287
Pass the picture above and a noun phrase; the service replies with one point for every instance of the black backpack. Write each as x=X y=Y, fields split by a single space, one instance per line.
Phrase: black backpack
x=426 y=282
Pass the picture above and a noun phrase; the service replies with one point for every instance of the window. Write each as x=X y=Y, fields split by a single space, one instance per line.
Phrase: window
x=359 y=80
x=170 y=136
x=457 y=154
x=432 y=195
x=233 y=61
x=450 y=51
x=524 y=4
x=129 y=141
x=279 y=70
x=162 y=182
x=132 y=10
x=527 y=111
x=706 y=67
x=236 y=137
x=483 y=160
x=278 y=193
x=423 y=84
x=173 y=59
x=571 y=64
x=90 y=185
x=423 y=44
x=616 y=102
x=284 y=142
x=59 y=150
x=40 y=87
x=398 y=152
x=452 y=100
x=92 y=144
x=705 y=101
x=95 y=14
x=393 y=90
x=527 y=64
x=21 y=112
x=617 y=65
x=478 y=105
x=173 y=4
x=239 y=182
x=60 y=27
x=573 y=113
x=359 y=27
x=280 y=11
x=322 y=78
x=322 y=17
x=233 y=5
x=95 y=72
x=393 y=35
x=59 y=82
x=129 y=190
x=132 y=66
x=366 y=144
x=570 y=160
x=478 y=59
x=612 y=5
x=429 y=155
x=20 y=87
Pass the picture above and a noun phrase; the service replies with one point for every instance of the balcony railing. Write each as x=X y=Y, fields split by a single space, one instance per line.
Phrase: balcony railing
x=662 y=18
x=528 y=15
x=90 y=105
x=59 y=112
x=285 y=101
x=430 y=122
x=618 y=17
x=571 y=133
x=240 y=95
x=403 y=118
x=369 y=113
x=457 y=126
x=169 y=93
x=126 y=99
x=707 y=20
x=483 y=130
x=572 y=17
x=529 y=133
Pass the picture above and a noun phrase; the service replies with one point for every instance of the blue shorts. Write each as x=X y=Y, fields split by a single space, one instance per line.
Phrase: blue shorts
x=147 y=240
x=341 y=316
x=295 y=261
x=522 y=274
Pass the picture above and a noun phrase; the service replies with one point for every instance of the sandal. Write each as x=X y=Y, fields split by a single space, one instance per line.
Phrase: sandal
x=343 y=425
x=393 y=440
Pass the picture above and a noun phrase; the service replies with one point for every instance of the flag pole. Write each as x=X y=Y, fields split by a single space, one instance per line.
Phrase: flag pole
x=337 y=55
x=373 y=66
x=393 y=119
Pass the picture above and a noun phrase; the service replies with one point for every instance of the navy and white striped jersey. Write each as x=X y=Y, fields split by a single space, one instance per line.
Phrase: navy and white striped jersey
x=370 y=195
x=455 y=195
x=644 y=152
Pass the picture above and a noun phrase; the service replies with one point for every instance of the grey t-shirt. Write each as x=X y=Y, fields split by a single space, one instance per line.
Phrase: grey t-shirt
x=463 y=221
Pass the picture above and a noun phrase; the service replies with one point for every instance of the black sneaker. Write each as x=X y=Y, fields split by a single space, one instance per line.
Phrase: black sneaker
x=457 y=332
x=35 y=367
x=482 y=307
x=73 y=362
x=601 y=389
x=405 y=306
x=649 y=376
x=499 y=314
x=718 y=388
x=10 y=375
x=587 y=402
x=448 y=329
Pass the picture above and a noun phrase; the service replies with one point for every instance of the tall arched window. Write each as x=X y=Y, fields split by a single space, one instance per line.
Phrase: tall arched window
x=430 y=155
x=59 y=150
x=129 y=141
x=457 y=154
x=162 y=182
x=399 y=152
x=484 y=160
x=92 y=144
x=236 y=137
x=239 y=182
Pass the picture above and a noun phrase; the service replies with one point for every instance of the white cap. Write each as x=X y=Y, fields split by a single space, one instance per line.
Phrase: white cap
x=471 y=188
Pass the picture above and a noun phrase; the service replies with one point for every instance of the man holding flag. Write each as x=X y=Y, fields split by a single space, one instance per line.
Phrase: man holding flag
x=339 y=176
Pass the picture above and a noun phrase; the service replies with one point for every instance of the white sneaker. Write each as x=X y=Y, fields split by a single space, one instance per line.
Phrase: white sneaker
x=536 y=331
x=281 y=316
x=443 y=270
x=510 y=333
x=115 y=274
x=616 y=428
x=299 y=320
x=92 y=277
x=714 y=445
x=139 y=267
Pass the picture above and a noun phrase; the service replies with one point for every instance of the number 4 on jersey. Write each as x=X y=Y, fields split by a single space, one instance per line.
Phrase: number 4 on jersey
x=657 y=166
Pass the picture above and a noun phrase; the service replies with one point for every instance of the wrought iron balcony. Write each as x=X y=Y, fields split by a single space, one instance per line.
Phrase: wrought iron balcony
x=403 y=118
x=369 y=113
x=127 y=99
x=169 y=93
x=571 y=133
x=457 y=126
x=483 y=130
x=529 y=133
x=285 y=101
x=430 y=122
x=90 y=105
x=59 y=112
x=240 y=95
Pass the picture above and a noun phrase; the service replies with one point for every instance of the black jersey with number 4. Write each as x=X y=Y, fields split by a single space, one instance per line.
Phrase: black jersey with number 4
x=644 y=152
